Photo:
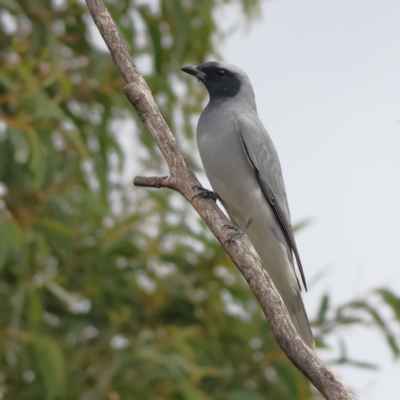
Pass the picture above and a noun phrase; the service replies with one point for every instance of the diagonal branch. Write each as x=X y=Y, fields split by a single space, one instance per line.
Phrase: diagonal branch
x=183 y=180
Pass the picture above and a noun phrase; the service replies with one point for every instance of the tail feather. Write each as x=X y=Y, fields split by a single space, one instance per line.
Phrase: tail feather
x=275 y=257
x=299 y=318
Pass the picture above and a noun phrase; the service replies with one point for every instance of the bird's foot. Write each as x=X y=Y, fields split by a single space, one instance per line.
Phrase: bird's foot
x=239 y=232
x=205 y=193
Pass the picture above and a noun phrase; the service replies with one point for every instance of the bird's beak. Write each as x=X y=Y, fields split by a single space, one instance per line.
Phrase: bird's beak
x=193 y=70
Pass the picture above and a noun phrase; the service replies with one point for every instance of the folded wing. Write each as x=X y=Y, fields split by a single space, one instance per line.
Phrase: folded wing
x=264 y=160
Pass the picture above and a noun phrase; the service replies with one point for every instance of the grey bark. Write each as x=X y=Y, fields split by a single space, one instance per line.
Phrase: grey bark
x=183 y=180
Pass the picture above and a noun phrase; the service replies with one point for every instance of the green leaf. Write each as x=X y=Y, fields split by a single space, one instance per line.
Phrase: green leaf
x=11 y=5
x=190 y=392
x=50 y=361
x=391 y=300
x=298 y=226
x=35 y=309
x=56 y=227
x=76 y=141
x=21 y=147
x=390 y=337
x=10 y=240
x=323 y=308
x=244 y=395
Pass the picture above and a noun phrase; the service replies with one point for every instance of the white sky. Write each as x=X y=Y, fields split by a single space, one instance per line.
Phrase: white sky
x=327 y=81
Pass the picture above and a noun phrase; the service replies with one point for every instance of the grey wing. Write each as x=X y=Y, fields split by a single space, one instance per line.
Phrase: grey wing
x=264 y=160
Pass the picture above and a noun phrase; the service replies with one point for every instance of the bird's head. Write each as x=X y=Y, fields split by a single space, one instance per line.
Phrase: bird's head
x=222 y=80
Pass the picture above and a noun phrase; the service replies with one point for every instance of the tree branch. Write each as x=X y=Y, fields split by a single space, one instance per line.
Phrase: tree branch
x=154 y=181
x=183 y=180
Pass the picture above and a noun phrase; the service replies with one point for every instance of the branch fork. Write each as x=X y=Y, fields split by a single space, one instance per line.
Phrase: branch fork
x=154 y=182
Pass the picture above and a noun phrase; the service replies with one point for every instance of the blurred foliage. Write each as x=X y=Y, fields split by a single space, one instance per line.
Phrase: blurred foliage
x=111 y=292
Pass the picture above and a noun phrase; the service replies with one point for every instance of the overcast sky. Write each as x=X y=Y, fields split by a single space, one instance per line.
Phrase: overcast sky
x=326 y=76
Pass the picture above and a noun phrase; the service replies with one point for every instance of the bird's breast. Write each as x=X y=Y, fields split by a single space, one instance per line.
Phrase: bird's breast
x=228 y=170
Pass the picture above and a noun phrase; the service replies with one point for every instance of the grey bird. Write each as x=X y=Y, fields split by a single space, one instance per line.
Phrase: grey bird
x=243 y=168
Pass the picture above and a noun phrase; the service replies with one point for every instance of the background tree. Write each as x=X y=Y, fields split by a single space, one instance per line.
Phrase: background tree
x=111 y=292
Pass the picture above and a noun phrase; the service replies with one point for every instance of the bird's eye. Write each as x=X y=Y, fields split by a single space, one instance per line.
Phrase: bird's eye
x=221 y=72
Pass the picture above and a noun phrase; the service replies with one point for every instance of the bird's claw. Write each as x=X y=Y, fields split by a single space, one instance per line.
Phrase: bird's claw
x=239 y=232
x=205 y=193
x=230 y=227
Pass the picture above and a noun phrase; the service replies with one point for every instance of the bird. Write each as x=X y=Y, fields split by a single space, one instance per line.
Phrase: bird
x=243 y=168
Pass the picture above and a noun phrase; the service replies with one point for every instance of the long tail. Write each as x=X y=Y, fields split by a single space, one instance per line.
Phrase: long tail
x=299 y=318
x=274 y=256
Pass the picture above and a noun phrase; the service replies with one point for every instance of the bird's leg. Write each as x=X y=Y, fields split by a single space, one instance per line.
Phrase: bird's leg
x=205 y=194
x=239 y=232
